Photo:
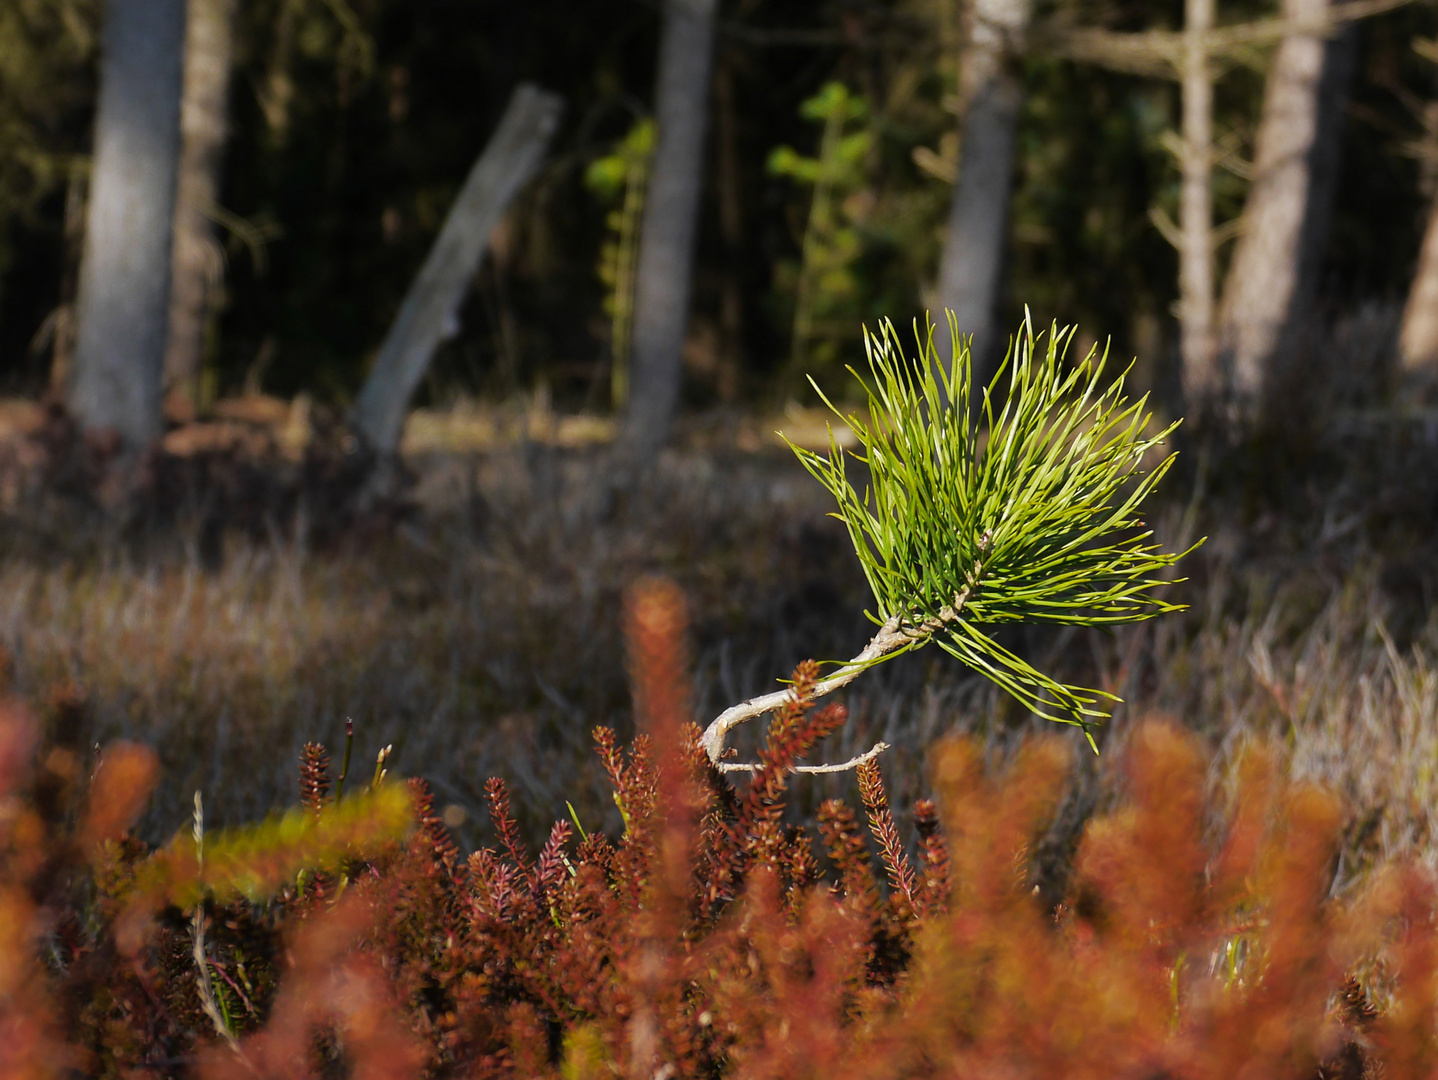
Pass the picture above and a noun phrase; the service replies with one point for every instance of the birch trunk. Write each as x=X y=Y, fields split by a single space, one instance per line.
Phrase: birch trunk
x=971 y=270
x=430 y=312
x=1201 y=383
x=1418 y=337
x=1265 y=279
x=670 y=225
x=198 y=263
x=124 y=292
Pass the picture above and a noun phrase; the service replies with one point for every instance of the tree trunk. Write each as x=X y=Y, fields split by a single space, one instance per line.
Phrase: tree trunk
x=198 y=266
x=731 y=225
x=971 y=269
x=123 y=304
x=1264 y=283
x=1418 y=336
x=430 y=311
x=1340 y=65
x=667 y=234
x=1201 y=382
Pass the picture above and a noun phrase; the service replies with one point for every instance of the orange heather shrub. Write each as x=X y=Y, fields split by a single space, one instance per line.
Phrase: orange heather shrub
x=715 y=937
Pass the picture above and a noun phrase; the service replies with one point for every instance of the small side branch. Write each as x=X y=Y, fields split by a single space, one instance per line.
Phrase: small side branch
x=844 y=766
x=895 y=636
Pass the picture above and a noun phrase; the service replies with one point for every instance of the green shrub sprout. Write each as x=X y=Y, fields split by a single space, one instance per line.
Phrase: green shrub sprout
x=1023 y=505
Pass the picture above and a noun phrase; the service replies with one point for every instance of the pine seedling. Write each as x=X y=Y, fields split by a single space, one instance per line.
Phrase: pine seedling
x=1023 y=505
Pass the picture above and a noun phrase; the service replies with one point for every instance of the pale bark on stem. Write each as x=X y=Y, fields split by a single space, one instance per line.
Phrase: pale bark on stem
x=896 y=635
x=843 y=766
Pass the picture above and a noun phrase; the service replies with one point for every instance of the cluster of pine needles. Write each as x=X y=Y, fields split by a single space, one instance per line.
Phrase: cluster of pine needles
x=715 y=936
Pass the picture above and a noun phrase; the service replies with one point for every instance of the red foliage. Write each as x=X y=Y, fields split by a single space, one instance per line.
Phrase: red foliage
x=332 y=987
x=705 y=941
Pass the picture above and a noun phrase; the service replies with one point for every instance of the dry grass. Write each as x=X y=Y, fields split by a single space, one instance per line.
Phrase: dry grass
x=482 y=638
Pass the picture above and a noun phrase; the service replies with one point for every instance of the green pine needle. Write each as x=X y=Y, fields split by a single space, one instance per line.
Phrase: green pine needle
x=1024 y=509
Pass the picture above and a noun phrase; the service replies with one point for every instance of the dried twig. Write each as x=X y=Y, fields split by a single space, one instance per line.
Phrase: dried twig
x=208 y=1002
x=203 y=980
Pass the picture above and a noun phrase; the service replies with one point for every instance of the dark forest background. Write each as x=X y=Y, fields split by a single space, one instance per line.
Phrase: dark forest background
x=331 y=197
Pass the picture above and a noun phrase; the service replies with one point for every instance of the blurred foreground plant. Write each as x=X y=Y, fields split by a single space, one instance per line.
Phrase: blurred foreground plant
x=708 y=940
x=1020 y=507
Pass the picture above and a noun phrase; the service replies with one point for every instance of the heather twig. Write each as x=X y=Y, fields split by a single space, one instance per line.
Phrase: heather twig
x=431 y=827
x=553 y=866
x=933 y=890
x=881 y=824
x=496 y=795
x=847 y=852
x=314 y=776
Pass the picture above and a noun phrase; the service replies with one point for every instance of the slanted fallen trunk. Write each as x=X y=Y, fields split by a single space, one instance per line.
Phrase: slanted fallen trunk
x=430 y=311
